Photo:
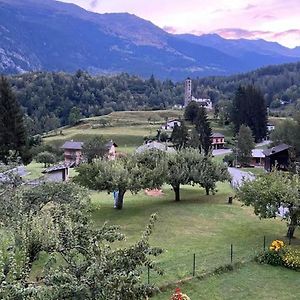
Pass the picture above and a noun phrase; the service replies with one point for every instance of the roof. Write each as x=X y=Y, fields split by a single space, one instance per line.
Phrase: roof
x=110 y=144
x=217 y=135
x=258 y=153
x=56 y=168
x=72 y=145
x=276 y=149
x=155 y=146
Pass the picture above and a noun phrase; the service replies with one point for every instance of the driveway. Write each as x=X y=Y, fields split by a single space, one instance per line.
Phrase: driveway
x=221 y=152
x=238 y=176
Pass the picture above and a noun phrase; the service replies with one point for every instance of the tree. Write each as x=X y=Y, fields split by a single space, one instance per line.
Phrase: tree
x=74 y=116
x=81 y=262
x=269 y=192
x=245 y=144
x=47 y=158
x=133 y=173
x=191 y=112
x=204 y=130
x=13 y=137
x=179 y=136
x=207 y=173
x=194 y=139
x=249 y=108
x=94 y=147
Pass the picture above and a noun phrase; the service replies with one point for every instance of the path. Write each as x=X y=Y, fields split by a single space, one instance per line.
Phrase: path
x=221 y=152
x=238 y=176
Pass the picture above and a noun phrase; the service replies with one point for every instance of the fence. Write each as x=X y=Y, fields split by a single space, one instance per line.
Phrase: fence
x=199 y=263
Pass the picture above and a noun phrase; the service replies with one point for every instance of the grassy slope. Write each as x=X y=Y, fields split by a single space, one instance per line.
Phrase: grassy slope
x=252 y=281
x=199 y=224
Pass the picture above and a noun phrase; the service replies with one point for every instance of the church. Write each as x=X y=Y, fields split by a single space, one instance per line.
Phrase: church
x=188 y=97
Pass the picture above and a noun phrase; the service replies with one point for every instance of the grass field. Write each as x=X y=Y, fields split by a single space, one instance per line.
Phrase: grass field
x=127 y=129
x=204 y=225
x=251 y=281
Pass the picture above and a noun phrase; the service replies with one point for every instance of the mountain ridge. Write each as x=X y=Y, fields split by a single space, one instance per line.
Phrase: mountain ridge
x=57 y=36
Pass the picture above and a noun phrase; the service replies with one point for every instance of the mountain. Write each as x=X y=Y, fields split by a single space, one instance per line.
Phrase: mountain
x=55 y=36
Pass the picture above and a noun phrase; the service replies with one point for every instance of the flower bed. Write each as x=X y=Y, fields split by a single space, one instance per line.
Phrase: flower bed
x=279 y=254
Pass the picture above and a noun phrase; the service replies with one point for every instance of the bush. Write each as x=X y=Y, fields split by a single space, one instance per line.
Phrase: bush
x=178 y=295
x=280 y=255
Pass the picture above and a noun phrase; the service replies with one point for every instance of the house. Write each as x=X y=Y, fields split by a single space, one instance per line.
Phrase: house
x=153 y=145
x=270 y=127
x=58 y=173
x=217 y=141
x=257 y=158
x=72 y=152
x=171 y=124
x=111 y=150
x=278 y=156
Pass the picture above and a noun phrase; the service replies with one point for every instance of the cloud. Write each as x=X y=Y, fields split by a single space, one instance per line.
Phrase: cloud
x=94 y=3
x=237 y=33
x=170 y=29
x=294 y=32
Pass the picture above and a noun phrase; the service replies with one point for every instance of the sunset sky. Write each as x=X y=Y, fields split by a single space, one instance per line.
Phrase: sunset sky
x=273 y=20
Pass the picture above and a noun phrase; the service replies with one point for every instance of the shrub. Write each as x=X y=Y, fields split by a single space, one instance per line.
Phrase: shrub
x=178 y=295
x=280 y=255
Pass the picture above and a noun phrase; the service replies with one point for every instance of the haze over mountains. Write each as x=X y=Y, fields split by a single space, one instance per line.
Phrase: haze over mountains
x=49 y=35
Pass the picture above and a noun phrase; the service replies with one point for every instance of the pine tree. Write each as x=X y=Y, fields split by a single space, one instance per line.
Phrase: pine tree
x=13 y=138
x=179 y=136
x=245 y=144
x=204 y=130
x=249 y=108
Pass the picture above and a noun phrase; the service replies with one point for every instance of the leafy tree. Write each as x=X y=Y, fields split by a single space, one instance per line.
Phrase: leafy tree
x=191 y=112
x=46 y=158
x=133 y=173
x=194 y=139
x=204 y=130
x=95 y=147
x=245 y=144
x=269 y=192
x=207 y=173
x=81 y=264
x=13 y=137
x=74 y=116
x=249 y=108
x=179 y=136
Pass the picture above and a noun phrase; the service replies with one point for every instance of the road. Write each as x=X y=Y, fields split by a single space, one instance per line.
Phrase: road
x=238 y=176
x=221 y=152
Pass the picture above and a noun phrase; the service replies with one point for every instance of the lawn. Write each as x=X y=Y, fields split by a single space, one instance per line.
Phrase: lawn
x=252 y=281
x=200 y=224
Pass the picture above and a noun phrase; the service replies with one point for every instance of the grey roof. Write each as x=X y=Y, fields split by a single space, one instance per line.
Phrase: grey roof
x=258 y=153
x=56 y=168
x=72 y=145
x=276 y=149
x=155 y=145
x=217 y=135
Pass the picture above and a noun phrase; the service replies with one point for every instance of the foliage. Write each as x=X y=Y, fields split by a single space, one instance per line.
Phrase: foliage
x=270 y=191
x=94 y=147
x=245 y=144
x=203 y=128
x=46 y=158
x=57 y=99
x=229 y=159
x=279 y=254
x=191 y=112
x=82 y=263
x=134 y=172
x=179 y=136
x=13 y=137
x=249 y=108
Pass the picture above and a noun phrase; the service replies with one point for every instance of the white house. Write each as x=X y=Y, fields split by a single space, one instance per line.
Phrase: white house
x=270 y=127
x=171 y=124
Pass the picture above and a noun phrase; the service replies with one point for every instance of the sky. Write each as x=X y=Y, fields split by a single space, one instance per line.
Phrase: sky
x=272 y=20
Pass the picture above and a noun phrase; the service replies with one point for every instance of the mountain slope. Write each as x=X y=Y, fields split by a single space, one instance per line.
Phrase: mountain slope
x=55 y=36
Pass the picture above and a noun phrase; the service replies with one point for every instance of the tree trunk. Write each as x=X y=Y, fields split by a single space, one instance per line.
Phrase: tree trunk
x=120 y=200
x=207 y=190
x=292 y=226
x=176 y=189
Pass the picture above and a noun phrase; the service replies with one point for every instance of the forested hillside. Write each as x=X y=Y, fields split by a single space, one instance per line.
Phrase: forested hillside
x=55 y=99
x=278 y=82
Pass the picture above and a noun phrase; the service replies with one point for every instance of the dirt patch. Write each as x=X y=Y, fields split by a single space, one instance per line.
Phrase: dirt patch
x=154 y=193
